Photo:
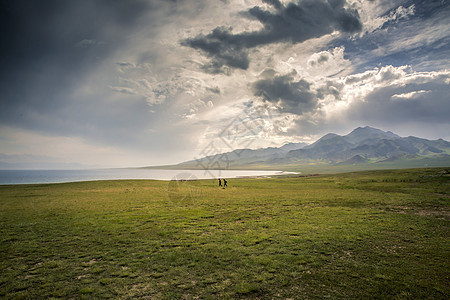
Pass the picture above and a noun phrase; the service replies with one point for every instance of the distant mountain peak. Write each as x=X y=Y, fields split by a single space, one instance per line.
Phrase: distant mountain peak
x=364 y=145
x=323 y=139
x=329 y=136
x=361 y=134
x=293 y=146
x=367 y=129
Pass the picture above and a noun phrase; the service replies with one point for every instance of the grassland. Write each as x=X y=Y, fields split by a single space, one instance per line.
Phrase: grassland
x=378 y=234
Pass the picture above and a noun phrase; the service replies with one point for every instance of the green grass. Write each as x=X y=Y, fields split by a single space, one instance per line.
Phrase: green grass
x=377 y=234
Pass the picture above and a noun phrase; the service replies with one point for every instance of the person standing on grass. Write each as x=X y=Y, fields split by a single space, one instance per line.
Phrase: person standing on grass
x=224 y=182
x=220 y=182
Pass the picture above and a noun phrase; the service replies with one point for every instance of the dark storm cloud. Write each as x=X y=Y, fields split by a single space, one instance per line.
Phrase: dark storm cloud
x=283 y=90
x=36 y=31
x=49 y=48
x=295 y=23
x=225 y=48
x=276 y=3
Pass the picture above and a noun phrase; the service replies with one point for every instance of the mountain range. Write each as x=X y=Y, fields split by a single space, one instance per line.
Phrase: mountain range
x=364 y=145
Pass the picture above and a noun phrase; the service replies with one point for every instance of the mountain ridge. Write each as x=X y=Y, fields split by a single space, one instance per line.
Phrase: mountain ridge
x=370 y=144
x=363 y=145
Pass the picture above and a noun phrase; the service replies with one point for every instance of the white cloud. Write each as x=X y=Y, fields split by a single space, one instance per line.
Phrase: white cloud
x=415 y=35
x=329 y=63
x=357 y=87
x=395 y=32
x=388 y=97
x=410 y=95
x=374 y=97
x=87 y=43
x=374 y=14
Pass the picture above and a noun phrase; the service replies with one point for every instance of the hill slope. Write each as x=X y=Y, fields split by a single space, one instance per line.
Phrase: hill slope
x=366 y=146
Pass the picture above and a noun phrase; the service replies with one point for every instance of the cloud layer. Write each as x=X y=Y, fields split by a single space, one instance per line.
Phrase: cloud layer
x=155 y=82
x=293 y=23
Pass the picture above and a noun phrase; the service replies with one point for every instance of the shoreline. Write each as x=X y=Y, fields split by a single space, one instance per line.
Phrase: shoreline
x=23 y=177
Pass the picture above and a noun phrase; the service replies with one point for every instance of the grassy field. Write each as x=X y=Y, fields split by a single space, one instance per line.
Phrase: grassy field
x=378 y=234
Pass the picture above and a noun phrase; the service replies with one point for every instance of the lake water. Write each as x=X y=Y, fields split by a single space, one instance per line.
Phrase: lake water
x=59 y=176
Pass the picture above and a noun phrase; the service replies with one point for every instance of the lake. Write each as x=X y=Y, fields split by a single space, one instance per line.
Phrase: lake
x=59 y=176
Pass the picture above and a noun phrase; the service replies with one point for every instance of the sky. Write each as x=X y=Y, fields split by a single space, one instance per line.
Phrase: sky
x=111 y=83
